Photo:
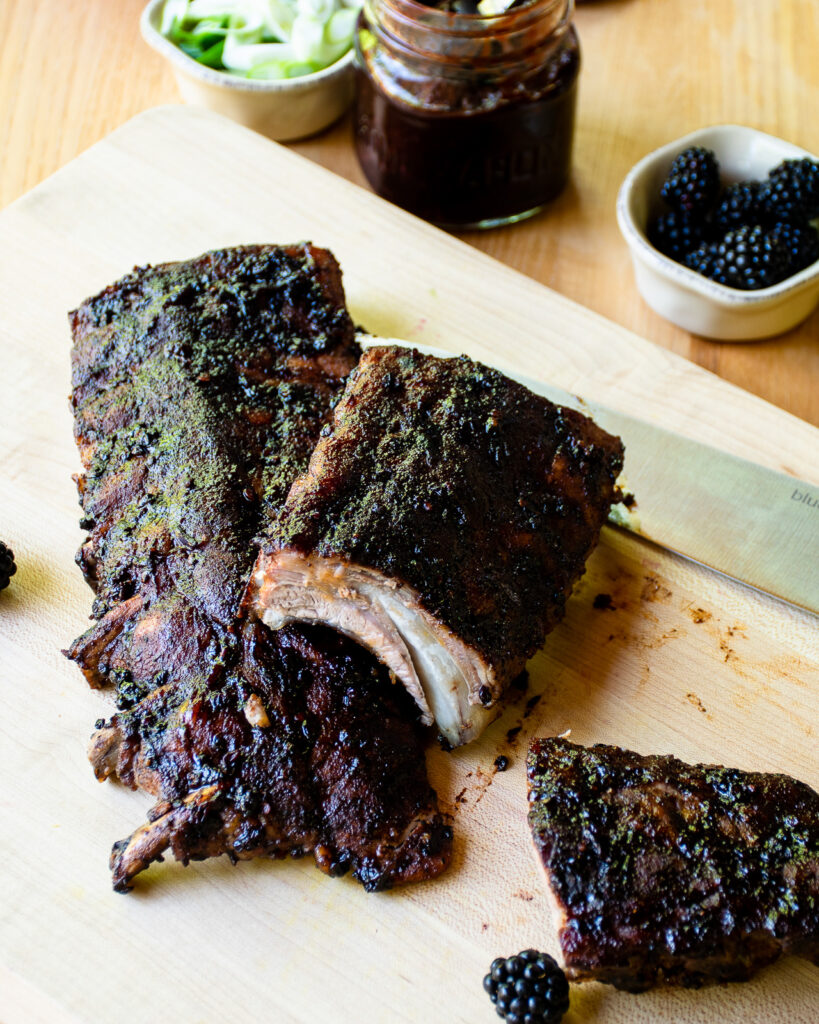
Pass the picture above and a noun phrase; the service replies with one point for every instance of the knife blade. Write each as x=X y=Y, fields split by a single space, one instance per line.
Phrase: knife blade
x=741 y=519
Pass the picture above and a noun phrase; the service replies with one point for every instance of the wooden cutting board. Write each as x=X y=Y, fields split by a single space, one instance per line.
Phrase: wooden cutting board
x=685 y=662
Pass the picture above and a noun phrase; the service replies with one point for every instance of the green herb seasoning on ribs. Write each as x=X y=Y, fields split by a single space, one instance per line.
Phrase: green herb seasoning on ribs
x=669 y=873
x=443 y=520
x=199 y=390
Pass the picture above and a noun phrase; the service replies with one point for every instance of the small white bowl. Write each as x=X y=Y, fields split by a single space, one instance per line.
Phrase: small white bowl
x=684 y=297
x=284 y=109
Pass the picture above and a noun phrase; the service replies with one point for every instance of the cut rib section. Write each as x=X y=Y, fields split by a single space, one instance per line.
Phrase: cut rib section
x=442 y=522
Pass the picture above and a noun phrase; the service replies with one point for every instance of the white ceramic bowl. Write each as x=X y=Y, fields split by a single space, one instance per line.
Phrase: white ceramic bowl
x=688 y=299
x=286 y=109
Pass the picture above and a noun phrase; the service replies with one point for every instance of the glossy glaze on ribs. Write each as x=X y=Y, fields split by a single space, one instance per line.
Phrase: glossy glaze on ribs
x=447 y=502
x=199 y=390
x=670 y=873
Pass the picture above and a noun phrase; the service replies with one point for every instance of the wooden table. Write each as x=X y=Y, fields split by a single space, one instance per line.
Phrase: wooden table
x=72 y=70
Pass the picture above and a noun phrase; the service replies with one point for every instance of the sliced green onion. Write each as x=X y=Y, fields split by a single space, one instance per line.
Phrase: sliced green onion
x=341 y=25
x=262 y=39
x=283 y=69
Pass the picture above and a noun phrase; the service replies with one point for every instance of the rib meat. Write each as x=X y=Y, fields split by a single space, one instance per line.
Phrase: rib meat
x=665 y=872
x=199 y=391
x=305 y=747
x=442 y=522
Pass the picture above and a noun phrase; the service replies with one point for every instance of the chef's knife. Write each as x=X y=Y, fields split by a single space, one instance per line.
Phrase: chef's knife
x=748 y=522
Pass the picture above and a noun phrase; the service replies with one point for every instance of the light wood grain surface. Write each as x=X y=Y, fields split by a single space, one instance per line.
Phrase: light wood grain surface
x=71 y=70
x=687 y=662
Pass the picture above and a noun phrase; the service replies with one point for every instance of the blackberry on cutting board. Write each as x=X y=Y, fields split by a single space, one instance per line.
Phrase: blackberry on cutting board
x=529 y=988
x=692 y=185
x=7 y=566
x=676 y=234
x=791 y=191
x=748 y=258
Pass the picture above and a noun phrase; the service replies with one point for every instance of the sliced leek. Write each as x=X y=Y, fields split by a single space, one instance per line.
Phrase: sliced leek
x=262 y=39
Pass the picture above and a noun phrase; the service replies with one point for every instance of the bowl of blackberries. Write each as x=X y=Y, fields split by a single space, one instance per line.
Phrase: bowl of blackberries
x=722 y=229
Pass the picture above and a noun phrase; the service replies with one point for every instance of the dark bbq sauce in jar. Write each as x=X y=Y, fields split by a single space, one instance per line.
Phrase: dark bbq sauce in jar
x=466 y=120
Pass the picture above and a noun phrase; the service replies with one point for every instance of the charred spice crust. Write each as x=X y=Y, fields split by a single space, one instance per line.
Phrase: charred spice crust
x=454 y=480
x=673 y=873
x=199 y=390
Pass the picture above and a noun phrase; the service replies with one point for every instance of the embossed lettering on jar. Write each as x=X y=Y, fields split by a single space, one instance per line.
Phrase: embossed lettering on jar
x=465 y=119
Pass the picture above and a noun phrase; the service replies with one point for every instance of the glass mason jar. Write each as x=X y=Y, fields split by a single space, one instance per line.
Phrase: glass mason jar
x=465 y=119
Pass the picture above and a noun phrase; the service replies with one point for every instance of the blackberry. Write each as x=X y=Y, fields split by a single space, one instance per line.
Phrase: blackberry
x=792 y=191
x=692 y=185
x=676 y=234
x=801 y=242
x=702 y=260
x=748 y=259
x=739 y=204
x=7 y=566
x=528 y=988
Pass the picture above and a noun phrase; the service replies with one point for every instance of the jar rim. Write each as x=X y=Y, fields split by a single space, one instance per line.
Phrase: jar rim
x=462 y=25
